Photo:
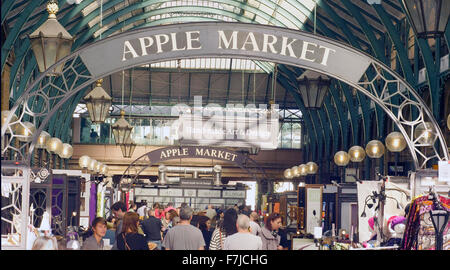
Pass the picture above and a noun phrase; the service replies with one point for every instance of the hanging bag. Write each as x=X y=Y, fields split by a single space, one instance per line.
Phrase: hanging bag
x=125 y=241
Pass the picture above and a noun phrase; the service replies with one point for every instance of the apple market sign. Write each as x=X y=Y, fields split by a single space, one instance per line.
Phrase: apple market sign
x=236 y=40
x=155 y=44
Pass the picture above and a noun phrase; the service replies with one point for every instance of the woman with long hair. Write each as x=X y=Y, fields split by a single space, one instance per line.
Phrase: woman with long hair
x=204 y=224
x=129 y=238
x=172 y=221
x=225 y=228
x=269 y=233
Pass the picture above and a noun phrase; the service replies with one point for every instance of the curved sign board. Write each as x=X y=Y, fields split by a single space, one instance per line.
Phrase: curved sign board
x=238 y=40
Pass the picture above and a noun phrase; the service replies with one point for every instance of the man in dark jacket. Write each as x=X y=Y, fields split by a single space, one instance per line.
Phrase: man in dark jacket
x=152 y=228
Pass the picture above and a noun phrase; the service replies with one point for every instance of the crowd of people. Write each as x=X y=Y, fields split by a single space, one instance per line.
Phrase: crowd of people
x=168 y=228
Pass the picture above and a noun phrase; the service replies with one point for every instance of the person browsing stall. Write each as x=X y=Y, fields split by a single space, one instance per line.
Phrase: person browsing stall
x=95 y=241
x=184 y=236
x=243 y=239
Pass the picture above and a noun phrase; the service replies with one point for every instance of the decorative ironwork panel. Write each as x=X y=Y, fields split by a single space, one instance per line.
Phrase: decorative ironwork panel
x=40 y=198
x=15 y=206
x=59 y=204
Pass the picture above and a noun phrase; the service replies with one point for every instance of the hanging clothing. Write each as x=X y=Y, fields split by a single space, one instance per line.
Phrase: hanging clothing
x=419 y=232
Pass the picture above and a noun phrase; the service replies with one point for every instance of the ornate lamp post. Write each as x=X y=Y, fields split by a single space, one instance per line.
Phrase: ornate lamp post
x=51 y=42
x=341 y=159
x=311 y=169
x=375 y=149
x=357 y=155
x=395 y=143
x=54 y=146
x=428 y=17
x=121 y=129
x=66 y=152
x=439 y=218
x=98 y=103
x=313 y=87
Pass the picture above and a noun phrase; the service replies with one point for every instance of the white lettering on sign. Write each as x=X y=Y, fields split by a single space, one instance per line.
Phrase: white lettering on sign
x=217 y=201
x=146 y=191
x=233 y=194
x=208 y=193
x=171 y=192
x=190 y=193
x=190 y=39
x=228 y=40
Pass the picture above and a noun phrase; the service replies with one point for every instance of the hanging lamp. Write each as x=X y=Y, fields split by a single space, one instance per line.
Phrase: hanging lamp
x=98 y=103
x=51 y=42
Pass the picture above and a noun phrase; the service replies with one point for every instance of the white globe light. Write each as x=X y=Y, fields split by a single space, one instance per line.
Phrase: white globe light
x=54 y=145
x=296 y=171
x=25 y=130
x=84 y=161
x=98 y=167
x=303 y=170
x=288 y=174
x=395 y=142
x=356 y=153
x=425 y=133
x=92 y=164
x=312 y=167
x=375 y=149
x=42 y=140
x=67 y=151
x=341 y=158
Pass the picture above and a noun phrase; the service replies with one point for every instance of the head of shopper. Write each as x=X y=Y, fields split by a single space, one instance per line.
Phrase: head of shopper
x=273 y=222
x=119 y=209
x=99 y=226
x=204 y=223
x=130 y=223
x=186 y=213
x=151 y=212
x=243 y=223
x=254 y=216
x=229 y=221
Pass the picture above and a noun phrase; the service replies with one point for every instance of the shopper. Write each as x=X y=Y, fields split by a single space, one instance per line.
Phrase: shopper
x=173 y=220
x=118 y=209
x=157 y=207
x=133 y=207
x=169 y=207
x=210 y=212
x=166 y=220
x=269 y=236
x=184 y=236
x=110 y=230
x=95 y=241
x=143 y=210
x=152 y=227
x=255 y=229
x=225 y=229
x=129 y=238
x=243 y=239
x=204 y=224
